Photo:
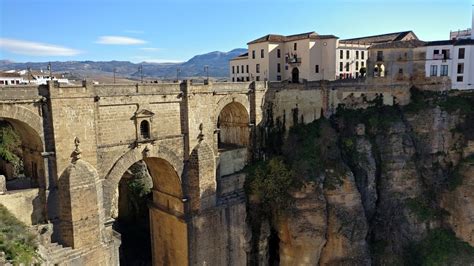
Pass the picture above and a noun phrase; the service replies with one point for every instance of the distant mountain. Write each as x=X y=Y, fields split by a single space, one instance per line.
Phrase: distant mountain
x=218 y=63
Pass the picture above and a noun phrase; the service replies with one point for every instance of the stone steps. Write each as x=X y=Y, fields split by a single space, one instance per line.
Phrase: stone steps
x=232 y=197
x=56 y=254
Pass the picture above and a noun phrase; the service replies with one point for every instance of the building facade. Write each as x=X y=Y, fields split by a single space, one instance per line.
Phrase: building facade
x=307 y=57
x=453 y=59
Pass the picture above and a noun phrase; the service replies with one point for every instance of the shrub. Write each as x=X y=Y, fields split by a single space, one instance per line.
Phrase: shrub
x=15 y=240
x=439 y=247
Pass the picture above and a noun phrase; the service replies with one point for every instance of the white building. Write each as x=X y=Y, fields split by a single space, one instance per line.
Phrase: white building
x=452 y=58
x=307 y=56
x=11 y=78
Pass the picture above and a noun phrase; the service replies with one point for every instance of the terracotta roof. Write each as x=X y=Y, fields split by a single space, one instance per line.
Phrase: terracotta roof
x=9 y=75
x=399 y=44
x=451 y=42
x=281 y=38
x=382 y=38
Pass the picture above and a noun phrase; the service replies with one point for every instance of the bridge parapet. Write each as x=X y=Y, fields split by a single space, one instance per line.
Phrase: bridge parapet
x=20 y=92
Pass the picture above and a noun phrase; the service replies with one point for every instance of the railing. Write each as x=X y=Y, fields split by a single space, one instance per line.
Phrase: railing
x=293 y=60
x=440 y=56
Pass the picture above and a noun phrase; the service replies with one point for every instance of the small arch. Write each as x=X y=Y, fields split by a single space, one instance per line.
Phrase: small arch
x=295 y=75
x=145 y=130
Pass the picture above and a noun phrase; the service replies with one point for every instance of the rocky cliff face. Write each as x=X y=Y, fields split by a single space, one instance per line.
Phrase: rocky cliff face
x=375 y=186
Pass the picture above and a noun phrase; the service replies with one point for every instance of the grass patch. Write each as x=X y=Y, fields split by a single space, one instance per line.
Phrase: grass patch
x=423 y=209
x=15 y=240
x=439 y=247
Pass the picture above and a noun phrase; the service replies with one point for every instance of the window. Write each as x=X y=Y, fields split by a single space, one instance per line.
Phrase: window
x=436 y=52
x=258 y=68
x=247 y=69
x=379 y=55
x=433 y=70
x=237 y=69
x=257 y=78
x=248 y=79
x=278 y=77
x=347 y=66
x=295 y=46
x=233 y=79
x=461 y=53
x=278 y=68
x=444 y=70
x=242 y=69
x=341 y=54
x=460 y=68
x=316 y=69
x=262 y=53
x=362 y=54
x=145 y=129
x=286 y=67
x=357 y=54
x=347 y=54
x=278 y=53
x=362 y=62
x=400 y=71
x=341 y=65
x=445 y=53
x=459 y=79
x=253 y=54
x=357 y=65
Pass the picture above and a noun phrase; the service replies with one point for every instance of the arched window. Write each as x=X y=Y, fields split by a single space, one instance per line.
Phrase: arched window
x=145 y=129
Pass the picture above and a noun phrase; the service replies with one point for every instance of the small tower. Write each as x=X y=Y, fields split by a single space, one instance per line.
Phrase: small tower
x=79 y=211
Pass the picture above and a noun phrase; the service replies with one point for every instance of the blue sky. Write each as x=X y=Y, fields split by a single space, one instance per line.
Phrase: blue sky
x=176 y=30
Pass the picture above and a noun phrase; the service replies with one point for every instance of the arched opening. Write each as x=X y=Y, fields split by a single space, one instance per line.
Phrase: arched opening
x=379 y=70
x=295 y=75
x=145 y=129
x=133 y=221
x=20 y=155
x=151 y=215
x=233 y=127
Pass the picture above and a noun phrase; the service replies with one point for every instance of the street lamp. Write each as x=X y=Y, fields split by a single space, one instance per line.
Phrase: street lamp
x=50 y=71
x=178 y=70
x=140 y=69
x=206 y=69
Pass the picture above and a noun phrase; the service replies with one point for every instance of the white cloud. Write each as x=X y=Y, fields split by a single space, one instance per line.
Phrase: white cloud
x=119 y=40
x=35 y=48
x=150 y=49
x=134 y=31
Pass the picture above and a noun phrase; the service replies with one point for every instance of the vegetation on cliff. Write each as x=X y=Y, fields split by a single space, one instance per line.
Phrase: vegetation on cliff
x=15 y=240
x=403 y=158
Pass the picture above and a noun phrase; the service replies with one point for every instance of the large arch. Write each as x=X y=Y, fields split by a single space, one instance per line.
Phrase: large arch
x=168 y=227
x=233 y=124
x=24 y=115
x=238 y=98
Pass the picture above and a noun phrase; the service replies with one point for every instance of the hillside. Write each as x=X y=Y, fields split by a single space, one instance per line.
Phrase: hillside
x=218 y=63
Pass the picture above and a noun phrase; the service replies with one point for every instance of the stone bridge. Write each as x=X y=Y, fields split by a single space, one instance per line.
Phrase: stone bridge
x=79 y=141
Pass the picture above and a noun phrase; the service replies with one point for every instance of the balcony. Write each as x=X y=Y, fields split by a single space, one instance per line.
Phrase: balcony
x=440 y=56
x=293 y=60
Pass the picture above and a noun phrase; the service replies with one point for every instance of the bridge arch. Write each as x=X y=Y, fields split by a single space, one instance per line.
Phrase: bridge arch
x=233 y=118
x=166 y=204
x=24 y=115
